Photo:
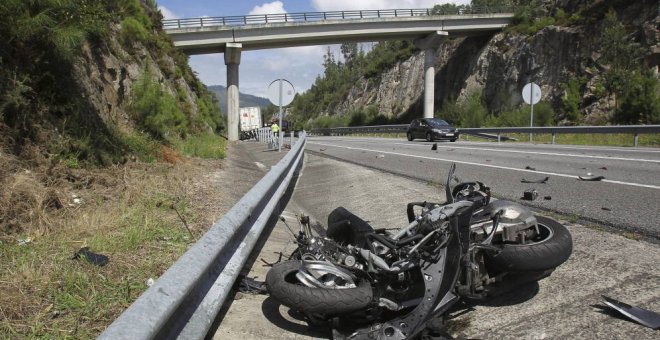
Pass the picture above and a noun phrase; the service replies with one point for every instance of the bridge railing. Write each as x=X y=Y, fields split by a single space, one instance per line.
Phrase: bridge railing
x=260 y=19
x=497 y=132
x=184 y=302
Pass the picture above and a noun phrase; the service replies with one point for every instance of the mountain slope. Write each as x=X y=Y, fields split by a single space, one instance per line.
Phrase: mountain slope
x=246 y=100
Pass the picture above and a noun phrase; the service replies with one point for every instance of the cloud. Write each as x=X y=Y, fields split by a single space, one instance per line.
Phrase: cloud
x=275 y=7
x=340 y=5
x=167 y=14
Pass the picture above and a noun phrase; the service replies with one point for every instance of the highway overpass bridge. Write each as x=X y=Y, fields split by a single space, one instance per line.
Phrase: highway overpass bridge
x=231 y=35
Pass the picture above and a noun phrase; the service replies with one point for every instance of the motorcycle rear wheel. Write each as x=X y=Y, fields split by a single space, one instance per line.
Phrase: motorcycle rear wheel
x=284 y=287
x=552 y=248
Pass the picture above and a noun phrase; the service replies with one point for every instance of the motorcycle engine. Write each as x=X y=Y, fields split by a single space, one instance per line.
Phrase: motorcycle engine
x=323 y=249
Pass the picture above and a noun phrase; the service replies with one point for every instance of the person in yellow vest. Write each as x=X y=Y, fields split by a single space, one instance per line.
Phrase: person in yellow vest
x=276 y=134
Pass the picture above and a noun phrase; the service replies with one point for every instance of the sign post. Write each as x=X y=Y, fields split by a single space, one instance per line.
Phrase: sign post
x=281 y=95
x=531 y=94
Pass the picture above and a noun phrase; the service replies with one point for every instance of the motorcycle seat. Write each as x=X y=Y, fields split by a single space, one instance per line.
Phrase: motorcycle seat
x=347 y=228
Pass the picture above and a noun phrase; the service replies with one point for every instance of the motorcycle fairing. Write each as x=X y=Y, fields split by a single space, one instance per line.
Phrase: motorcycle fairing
x=440 y=273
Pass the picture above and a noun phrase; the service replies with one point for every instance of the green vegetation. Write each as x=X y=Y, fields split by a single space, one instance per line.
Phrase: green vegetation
x=46 y=294
x=156 y=110
x=41 y=102
x=636 y=89
x=202 y=145
x=340 y=76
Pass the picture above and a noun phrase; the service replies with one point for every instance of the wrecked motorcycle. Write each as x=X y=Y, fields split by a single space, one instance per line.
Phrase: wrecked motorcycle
x=366 y=283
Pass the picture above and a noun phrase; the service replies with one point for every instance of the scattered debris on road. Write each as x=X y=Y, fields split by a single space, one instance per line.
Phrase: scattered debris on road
x=435 y=146
x=380 y=156
x=605 y=208
x=603 y=168
x=547 y=198
x=590 y=177
x=530 y=194
x=322 y=149
x=543 y=181
x=530 y=168
x=642 y=316
x=249 y=285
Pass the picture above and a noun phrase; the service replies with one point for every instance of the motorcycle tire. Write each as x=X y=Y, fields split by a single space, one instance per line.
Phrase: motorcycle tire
x=552 y=250
x=284 y=287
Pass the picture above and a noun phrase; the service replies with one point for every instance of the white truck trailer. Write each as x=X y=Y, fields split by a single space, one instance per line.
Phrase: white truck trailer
x=250 y=118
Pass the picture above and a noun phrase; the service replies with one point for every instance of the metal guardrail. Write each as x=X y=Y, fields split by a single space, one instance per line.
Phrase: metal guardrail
x=635 y=130
x=244 y=20
x=185 y=300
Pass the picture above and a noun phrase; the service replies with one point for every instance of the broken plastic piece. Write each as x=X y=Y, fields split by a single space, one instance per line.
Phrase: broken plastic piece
x=590 y=177
x=535 y=180
x=252 y=286
x=530 y=194
x=93 y=258
x=642 y=316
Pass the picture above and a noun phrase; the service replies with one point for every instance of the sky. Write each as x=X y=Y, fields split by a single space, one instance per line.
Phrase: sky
x=299 y=65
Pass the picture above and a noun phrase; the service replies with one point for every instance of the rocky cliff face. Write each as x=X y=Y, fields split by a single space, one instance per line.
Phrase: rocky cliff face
x=500 y=65
x=106 y=73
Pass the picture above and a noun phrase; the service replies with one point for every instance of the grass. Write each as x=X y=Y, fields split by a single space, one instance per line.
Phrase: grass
x=601 y=139
x=204 y=145
x=611 y=139
x=46 y=294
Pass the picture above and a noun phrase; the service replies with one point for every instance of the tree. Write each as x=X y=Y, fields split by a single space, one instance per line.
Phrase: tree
x=640 y=100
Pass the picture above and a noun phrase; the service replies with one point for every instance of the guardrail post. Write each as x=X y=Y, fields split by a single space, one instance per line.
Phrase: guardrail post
x=201 y=22
x=291 y=142
x=553 y=137
x=635 y=139
x=498 y=137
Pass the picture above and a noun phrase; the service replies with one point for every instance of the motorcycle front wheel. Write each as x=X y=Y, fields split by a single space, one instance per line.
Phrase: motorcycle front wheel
x=552 y=247
x=284 y=287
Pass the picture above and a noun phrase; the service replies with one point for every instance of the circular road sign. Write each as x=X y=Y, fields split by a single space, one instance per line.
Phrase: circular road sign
x=288 y=92
x=531 y=93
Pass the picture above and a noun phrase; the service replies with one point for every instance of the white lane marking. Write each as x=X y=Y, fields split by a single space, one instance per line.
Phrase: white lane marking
x=487 y=165
x=535 y=153
x=548 y=153
x=493 y=145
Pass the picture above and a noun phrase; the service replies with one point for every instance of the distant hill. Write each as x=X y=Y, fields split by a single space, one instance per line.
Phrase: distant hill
x=246 y=100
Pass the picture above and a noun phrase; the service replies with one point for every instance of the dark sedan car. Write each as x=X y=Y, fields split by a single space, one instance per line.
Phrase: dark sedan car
x=431 y=129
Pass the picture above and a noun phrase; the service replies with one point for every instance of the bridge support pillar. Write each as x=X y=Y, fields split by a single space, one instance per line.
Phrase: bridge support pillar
x=232 y=60
x=429 y=82
x=429 y=45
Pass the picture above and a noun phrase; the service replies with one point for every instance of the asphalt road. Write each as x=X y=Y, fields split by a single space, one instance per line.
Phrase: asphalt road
x=628 y=199
x=566 y=305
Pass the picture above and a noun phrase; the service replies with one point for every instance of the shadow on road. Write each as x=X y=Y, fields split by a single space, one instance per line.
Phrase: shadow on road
x=271 y=310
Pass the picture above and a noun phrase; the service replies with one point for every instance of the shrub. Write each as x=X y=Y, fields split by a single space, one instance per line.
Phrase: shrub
x=156 y=110
x=133 y=30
